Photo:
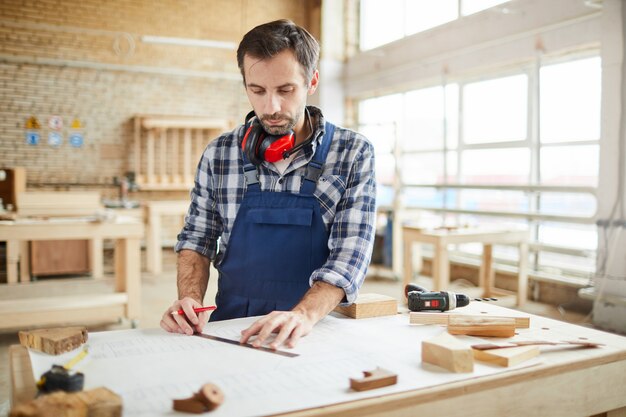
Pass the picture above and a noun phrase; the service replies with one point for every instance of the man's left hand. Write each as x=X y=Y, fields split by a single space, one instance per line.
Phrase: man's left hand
x=289 y=326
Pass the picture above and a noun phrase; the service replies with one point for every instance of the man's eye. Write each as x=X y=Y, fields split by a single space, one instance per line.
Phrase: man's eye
x=286 y=91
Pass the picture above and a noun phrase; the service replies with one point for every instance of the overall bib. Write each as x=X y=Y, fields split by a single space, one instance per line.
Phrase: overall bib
x=278 y=240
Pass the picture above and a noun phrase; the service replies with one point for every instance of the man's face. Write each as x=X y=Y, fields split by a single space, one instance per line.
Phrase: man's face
x=277 y=90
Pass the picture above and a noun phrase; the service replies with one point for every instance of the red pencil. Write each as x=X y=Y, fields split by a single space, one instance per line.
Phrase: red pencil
x=197 y=310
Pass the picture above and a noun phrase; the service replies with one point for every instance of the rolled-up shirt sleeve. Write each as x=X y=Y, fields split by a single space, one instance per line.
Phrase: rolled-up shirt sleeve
x=352 y=232
x=203 y=223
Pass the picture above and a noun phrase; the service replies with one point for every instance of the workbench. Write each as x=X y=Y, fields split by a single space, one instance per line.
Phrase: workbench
x=154 y=211
x=125 y=302
x=442 y=238
x=150 y=367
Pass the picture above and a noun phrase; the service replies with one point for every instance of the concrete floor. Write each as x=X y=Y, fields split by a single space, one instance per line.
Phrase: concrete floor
x=159 y=291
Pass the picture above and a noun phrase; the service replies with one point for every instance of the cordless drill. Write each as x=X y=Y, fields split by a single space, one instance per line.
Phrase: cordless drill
x=420 y=299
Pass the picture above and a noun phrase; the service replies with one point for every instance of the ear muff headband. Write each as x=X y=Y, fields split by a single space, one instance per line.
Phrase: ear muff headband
x=259 y=146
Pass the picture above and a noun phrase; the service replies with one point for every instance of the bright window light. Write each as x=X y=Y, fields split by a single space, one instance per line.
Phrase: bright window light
x=570 y=101
x=379 y=22
x=383 y=22
x=474 y=6
x=422 y=15
x=570 y=165
x=495 y=110
x=495 y=166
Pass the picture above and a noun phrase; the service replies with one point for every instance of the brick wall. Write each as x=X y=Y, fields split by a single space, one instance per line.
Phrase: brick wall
x=85 y=60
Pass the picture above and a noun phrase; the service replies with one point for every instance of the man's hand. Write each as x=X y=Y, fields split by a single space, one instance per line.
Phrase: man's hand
x=187 y=323
x=318 y=301
x=290 y=326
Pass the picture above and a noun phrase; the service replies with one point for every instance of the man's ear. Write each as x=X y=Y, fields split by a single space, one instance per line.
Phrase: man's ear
x=314 y=82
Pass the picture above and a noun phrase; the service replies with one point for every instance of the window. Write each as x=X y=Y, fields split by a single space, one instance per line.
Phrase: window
x=495 y=110
x=379 y=19
x=472 y=152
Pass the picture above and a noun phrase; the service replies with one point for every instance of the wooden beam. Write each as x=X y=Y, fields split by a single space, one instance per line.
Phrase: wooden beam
x=416 y=317
x=449 y=353
x=370 y=305
x=507 y=356
x=482 y=326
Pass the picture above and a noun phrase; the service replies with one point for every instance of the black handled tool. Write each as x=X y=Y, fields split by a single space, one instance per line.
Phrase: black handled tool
x=420 y=299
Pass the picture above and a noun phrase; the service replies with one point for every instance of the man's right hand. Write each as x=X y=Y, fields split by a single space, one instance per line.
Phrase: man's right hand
x=187 y=323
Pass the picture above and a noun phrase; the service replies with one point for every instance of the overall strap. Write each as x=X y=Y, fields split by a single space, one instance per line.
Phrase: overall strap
x=314 y=168
x=249 y=170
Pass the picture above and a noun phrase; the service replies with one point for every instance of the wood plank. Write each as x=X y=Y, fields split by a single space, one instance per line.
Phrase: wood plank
x=482 y=326
x=376 y=378
x=54 y=341
x=187 y=174
x=507 y=356
x=100 y=402
x=370 y=305
x=62 y=310
x=23 y=384
x=58 y=203
x=150 y=177
x=449 y=353
x=163 y=140
x=417 y=317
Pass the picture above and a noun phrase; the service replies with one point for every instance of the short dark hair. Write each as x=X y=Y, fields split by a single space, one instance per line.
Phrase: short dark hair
x=269 y=39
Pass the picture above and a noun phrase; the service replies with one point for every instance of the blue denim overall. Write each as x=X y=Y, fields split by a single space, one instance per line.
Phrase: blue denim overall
x=278 y=240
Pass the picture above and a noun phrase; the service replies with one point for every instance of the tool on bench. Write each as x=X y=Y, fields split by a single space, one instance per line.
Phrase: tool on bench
x=420 y=299
x=59 y=378
x=248 y=345
x=573 y=343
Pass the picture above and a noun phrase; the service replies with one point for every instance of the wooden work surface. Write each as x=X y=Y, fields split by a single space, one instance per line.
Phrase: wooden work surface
x=441 y=238
x=125 y=302
x=561 y=382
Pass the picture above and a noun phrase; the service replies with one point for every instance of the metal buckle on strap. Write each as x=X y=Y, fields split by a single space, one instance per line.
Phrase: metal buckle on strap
x=251 y=175
x=313 y=171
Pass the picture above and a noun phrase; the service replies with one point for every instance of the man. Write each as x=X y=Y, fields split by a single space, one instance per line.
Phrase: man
x=295 y=230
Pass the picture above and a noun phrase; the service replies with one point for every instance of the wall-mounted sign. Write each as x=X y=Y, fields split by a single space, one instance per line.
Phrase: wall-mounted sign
x=55 y=122
x=55 y=139
x=32 y=123
x=76 y=140
x=76 y=124
x=32 y=138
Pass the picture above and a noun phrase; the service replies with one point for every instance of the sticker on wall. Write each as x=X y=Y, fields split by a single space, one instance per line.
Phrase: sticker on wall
x=32 y=123
x=32 y=138
x=76 y=140
x=55 y=139
x=76 y=124
x=55 y=122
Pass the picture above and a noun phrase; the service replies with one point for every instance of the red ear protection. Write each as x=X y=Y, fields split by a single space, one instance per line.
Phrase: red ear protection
x=259 y=146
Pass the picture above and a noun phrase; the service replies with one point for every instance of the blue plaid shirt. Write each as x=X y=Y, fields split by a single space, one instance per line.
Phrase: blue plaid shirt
x=346 y=192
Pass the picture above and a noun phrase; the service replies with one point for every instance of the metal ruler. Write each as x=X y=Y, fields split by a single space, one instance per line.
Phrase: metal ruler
x=248 y=345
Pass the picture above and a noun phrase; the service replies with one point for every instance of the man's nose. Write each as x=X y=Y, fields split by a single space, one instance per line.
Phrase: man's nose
x=272 y=104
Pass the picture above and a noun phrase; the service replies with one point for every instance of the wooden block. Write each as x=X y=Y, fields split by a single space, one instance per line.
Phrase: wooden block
x=506 y=356
x=449 y=353
x=55 y=340
x=99 y=402
x=102 y=402
x=211 y=396
x=416 y=317
x=482 y=326
x=189 y=405
x=208 y=398
x=58 y=203
x=374 y=379
x=370 y=305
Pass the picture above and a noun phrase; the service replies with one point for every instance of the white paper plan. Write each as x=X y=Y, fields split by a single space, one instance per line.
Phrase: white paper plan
x=149 y=368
